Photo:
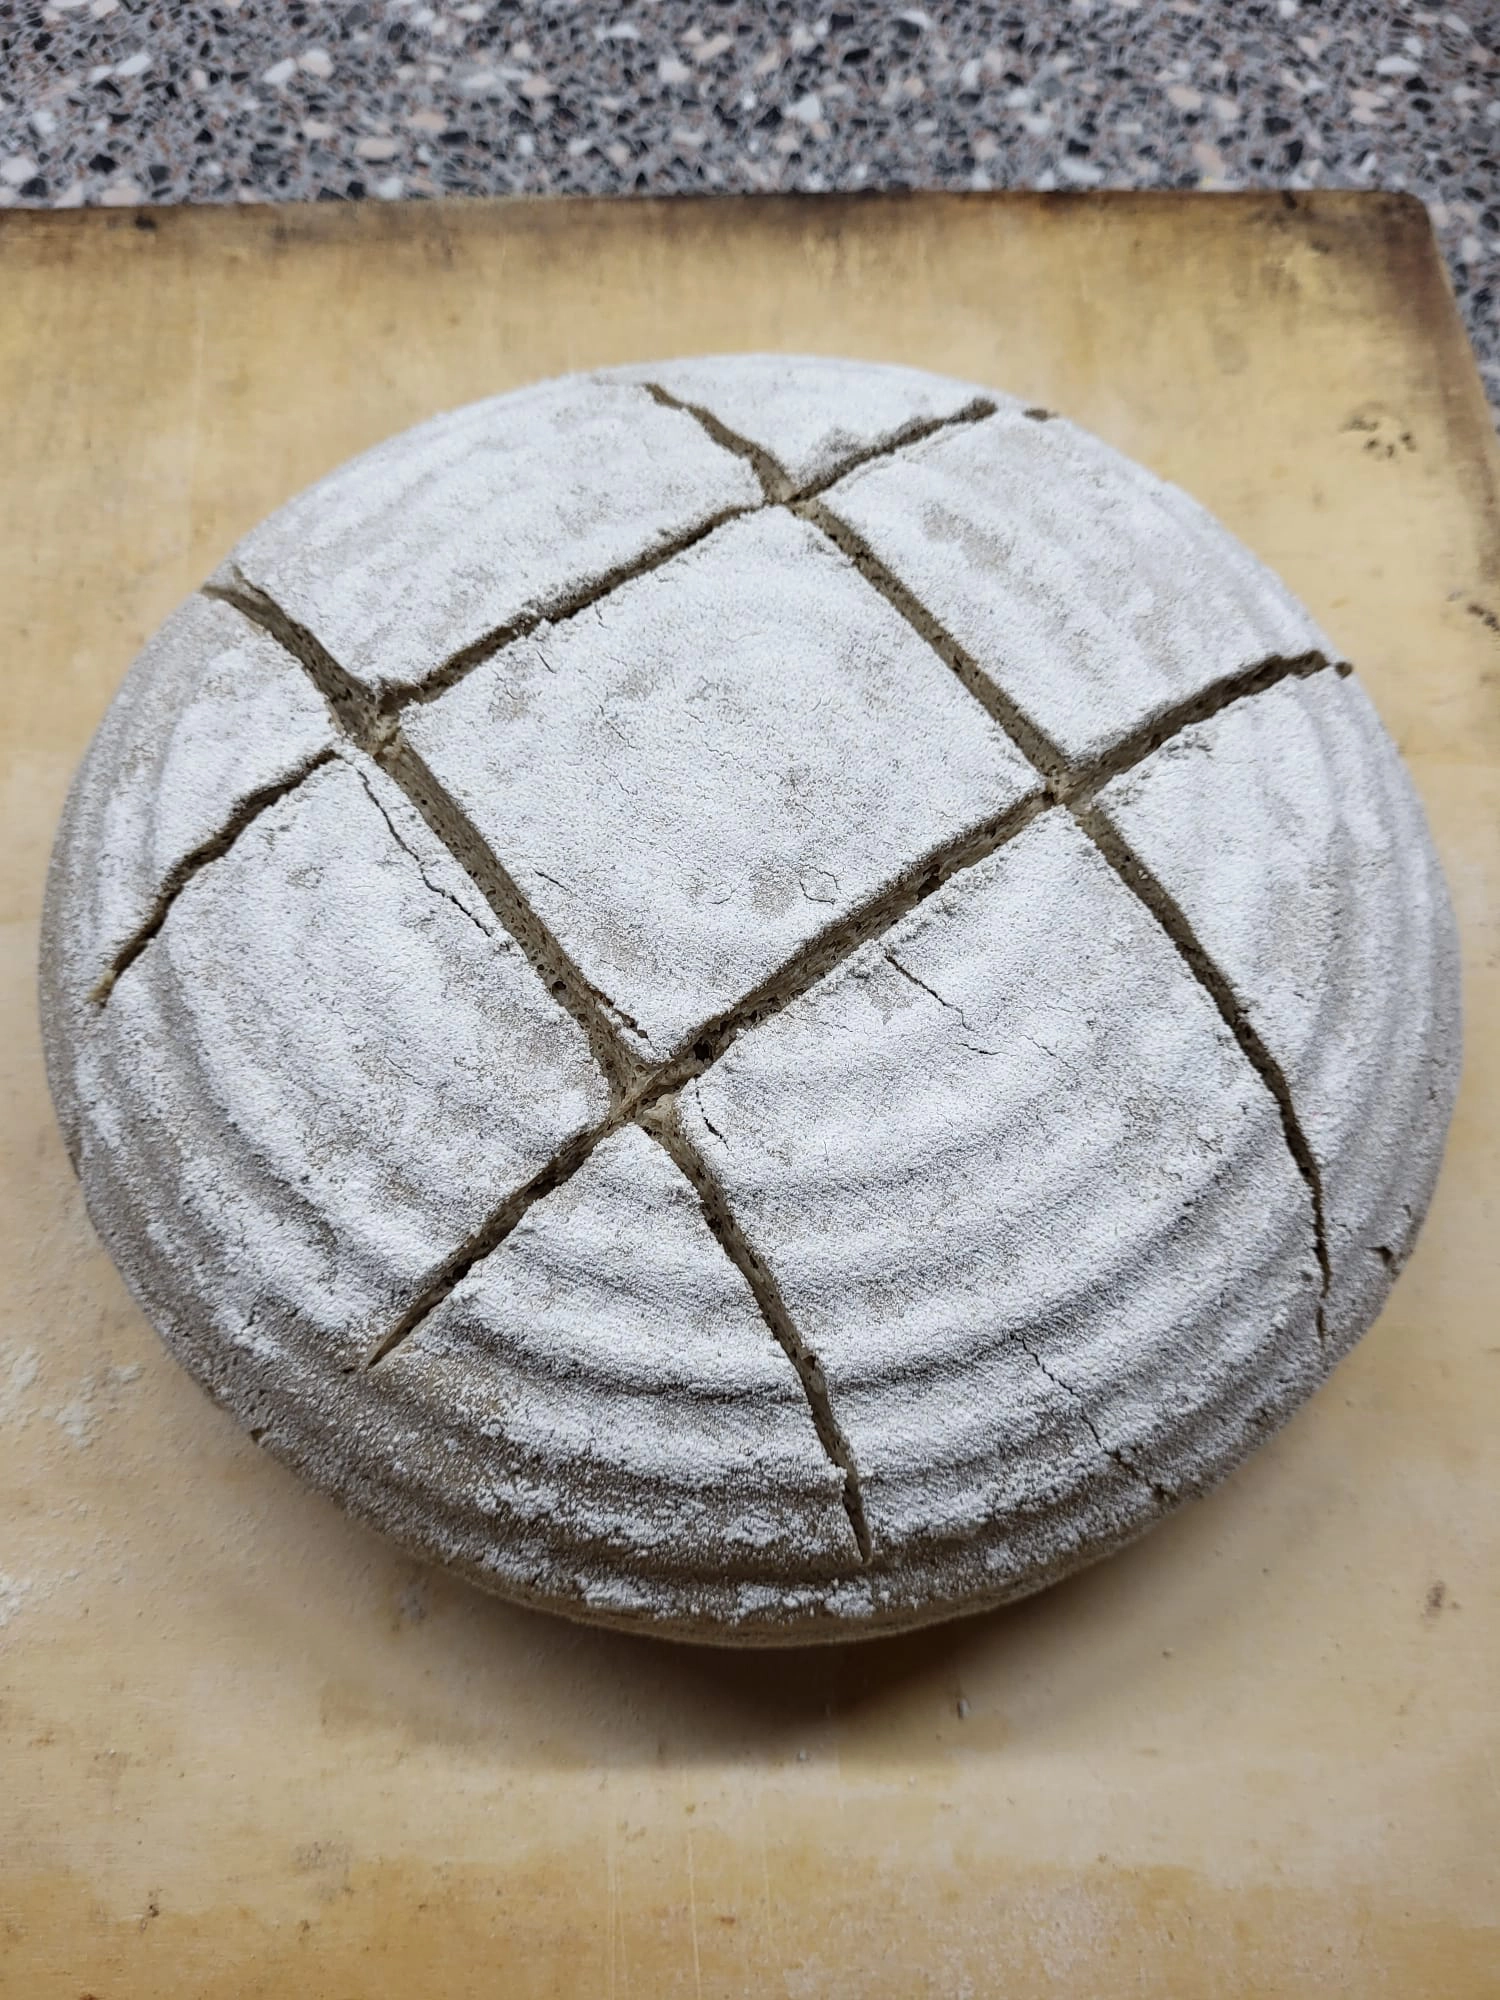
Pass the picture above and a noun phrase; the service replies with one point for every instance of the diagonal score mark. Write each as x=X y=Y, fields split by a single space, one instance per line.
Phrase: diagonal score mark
x=556 y=611
x=218 y=844
x=371 y=723
x=1067 y=780
x=828 y=948
x=1084 y=779
x=489 y=1235
x=825 y=952
x=663 y=1125
x=887 y=447
x=358 y=718
x=1169 y=913
x=1033 y=742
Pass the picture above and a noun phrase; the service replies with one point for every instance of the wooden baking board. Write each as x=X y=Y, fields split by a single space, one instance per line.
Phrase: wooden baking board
x=247 y=1749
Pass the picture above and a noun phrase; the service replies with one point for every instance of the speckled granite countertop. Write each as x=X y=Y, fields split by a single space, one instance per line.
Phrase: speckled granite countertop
x=127 y=101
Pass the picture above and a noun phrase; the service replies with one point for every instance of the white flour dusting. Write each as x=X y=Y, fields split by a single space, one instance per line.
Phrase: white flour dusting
x=96 y=1398
x=19 y=1368
x=14 y=1591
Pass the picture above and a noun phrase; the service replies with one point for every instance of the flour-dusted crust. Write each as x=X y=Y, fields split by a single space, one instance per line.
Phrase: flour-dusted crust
x=765 y=998
x=756 y=761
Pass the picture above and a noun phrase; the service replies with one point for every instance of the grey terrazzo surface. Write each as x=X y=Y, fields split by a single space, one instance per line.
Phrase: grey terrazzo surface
x=118 y=103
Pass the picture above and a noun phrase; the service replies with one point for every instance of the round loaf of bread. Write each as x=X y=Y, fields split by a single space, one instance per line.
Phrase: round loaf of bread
x=765 y=998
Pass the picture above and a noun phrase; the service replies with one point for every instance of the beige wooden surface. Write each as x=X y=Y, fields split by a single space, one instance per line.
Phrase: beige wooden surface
x=244 y=1747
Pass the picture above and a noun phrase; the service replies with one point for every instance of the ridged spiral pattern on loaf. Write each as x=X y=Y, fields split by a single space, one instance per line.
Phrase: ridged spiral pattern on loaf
x=764 y=998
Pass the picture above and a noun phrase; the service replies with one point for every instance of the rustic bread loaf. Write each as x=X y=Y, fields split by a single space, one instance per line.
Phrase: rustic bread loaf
x=766 y=998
